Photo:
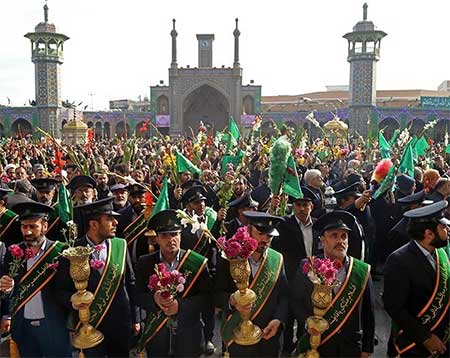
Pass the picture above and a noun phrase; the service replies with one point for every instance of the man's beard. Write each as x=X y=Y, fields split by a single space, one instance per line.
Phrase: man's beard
x=438 y=243
x=35 y=241
x=46 y=202
x=83 y=201
x=120 y=203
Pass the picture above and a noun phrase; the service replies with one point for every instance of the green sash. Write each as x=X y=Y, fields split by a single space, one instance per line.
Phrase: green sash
x=436 y=308
x=263 y=284
x=53 y=218
x=135 y=229
x=109 y=282
x=6 y=221
x=344 y=303
x=37 y=276
x=191 y=266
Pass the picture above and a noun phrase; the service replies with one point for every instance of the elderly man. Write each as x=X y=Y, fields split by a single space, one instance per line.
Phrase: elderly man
x=314 y=181
x=416 y=285
x=38 y=322
x=352 y=329
x=268 y=280
x=82 y=188
x=120 y=194
x=160 y=338
x=45 y=192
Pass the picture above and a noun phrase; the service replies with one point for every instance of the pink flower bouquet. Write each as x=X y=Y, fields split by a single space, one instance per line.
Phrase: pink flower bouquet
x=322 y=271
x=240 y=246
x=167 y=283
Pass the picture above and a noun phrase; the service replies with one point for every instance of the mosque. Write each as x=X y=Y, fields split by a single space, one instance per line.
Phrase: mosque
x=212 y=95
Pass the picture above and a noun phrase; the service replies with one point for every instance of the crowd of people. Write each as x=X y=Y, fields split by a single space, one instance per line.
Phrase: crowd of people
x=357 y=205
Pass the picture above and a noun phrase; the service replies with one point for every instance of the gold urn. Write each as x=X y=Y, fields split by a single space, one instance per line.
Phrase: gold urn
x=246 y=333
x=321 y=298
x=87 y=336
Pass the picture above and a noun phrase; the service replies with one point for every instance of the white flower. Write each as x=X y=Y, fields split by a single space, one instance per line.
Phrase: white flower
x=195 y=227
x=185 y=222
x=310 y=118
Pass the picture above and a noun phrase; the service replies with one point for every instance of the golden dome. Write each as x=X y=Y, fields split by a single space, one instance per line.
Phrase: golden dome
x=76 y=124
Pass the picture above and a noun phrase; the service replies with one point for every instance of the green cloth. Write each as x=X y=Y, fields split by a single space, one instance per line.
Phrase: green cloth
x=233 y=134
x=185 y=165
x=407 y=161
x=384 y=146
x=291 y=181
x=447 y=149
x=64 y=204
x=394 y=137
x=163 y=199
x=234 y=159
x=422 y=145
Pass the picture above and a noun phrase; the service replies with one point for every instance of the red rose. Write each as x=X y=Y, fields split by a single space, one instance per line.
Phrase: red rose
x=161 y=268
x=233 y=249
x=306 y=267
x=29 y=254
x=153 y=282
x=166 y=279
x=16 y=251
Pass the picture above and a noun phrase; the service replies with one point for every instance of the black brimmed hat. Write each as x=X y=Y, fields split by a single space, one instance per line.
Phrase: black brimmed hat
x=194 y=194
x=337 y=219
x=429 y=213
x=166 y=221
x=244 y=201
x=44 y=184
x=263 y=222
x=104 y=206
x=30 y=209
x=82 y=180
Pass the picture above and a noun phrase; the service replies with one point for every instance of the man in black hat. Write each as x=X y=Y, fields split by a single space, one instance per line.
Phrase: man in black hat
x=132 y=222
x=237 y=207
x=38 y=324
x=351 y=315
x=45 y=192
x=112 y=279
x=82 y=189
x=188 y=304
x=398 y=235
x=194 y=202
x=268 y=280
x=416 y=285
x=297 y=240
x=9 y=221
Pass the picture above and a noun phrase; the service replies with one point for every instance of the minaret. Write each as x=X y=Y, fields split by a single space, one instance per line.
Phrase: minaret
x=236 y=34
x=47 y=48
x=363 y=53
x=174 y=35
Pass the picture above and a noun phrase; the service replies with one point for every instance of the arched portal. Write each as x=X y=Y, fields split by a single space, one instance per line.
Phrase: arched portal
x=417 y=125
x=441 y=127
x=106 y=130
x=205 y=104
x=21 y=127
x=123 y=130
x=388 y=125
x=98 y=130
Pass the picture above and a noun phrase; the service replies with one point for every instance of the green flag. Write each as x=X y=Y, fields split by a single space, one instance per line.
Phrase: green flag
x=386 y=184
x=163 y=199
x=447 y=149
x=233 y=135
x=291 y=182
x=185 y=165
x=384 y=146
x=64 y=204
x=421 y=145
x=407 y=161
x=234 y=159
x=394 y=137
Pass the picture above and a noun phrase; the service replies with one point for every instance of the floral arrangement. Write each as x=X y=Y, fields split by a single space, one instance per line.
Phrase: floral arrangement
x=322 y=271
x=19 y=257
x=187 y=219
x=241 y=245
x=167 y=283
x=95 y=263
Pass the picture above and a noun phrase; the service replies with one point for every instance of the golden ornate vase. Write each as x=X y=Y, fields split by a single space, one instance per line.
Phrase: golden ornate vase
x=321 y=298
x=246 y=333
x=87 y=336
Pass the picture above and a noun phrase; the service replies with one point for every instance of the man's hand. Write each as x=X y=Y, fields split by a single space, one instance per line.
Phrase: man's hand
x=364 y=355
x=6 y=284
x=222 y=214
x=177 y=193
x=275 y=203
x=166 y=304
x=172 y=309
x=434 y=344
x=365 y=197
x=5 y=324
x=271 y=329
x=243 y=309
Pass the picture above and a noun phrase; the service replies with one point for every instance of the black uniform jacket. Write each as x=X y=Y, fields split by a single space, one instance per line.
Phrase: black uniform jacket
x=409 y=281
x=357 y=334
x=188 y=338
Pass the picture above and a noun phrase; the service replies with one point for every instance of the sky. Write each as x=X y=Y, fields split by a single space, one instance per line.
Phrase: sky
x=118 y=49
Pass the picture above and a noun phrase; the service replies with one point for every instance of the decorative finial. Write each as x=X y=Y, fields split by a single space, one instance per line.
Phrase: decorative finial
x=174 y=21
x=236 y=31
x=46 y=11
x=365 y=6
x=237 y=20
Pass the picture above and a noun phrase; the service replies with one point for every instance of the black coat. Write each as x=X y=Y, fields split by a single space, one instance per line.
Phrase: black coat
x=188 y=338
x=55 y=313
x=276 y=307
x=398 y=235
x=116 y=326
x=290 y=243
x=409 y=281
x=357 y=334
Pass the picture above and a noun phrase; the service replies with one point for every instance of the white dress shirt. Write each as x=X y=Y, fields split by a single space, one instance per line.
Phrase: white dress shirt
x=34 y=308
